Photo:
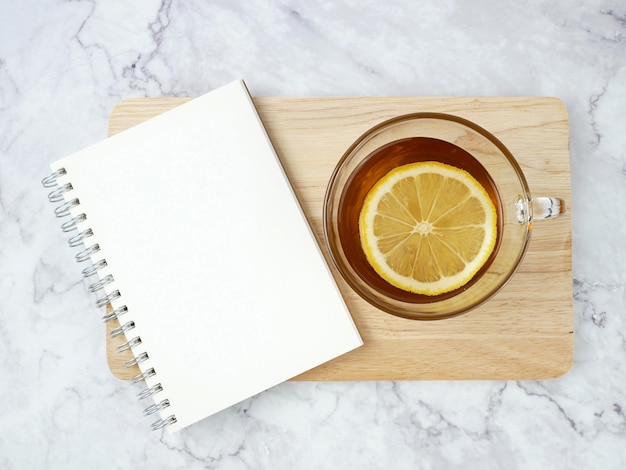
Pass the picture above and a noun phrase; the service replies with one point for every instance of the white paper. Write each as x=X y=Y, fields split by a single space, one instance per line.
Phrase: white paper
x=211 y=253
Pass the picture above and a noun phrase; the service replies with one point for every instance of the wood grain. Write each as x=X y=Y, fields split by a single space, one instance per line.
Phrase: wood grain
x=524 y=332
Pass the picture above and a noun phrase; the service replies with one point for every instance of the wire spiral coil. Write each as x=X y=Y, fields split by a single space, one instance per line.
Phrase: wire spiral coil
x=62 y=193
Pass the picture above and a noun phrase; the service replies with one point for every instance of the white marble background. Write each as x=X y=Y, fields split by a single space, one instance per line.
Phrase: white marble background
x=65 y=64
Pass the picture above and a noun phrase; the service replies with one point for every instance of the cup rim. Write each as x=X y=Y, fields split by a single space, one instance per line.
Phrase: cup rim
x=374 y=130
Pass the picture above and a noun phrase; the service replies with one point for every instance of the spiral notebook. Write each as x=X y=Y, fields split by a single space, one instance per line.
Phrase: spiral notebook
x=190 y=229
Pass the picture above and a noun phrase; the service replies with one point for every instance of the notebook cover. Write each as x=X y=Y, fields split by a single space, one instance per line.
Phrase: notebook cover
x=211 y=254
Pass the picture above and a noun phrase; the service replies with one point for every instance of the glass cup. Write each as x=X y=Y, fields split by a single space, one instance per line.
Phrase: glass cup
x=452 y=140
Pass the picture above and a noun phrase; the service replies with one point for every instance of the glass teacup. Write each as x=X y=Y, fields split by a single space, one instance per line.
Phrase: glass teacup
x=447 y=139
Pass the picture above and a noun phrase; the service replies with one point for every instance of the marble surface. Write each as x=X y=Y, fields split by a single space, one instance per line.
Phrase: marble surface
x=65 y=64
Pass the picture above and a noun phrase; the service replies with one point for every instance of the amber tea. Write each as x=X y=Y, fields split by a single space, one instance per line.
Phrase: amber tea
x=370 y=171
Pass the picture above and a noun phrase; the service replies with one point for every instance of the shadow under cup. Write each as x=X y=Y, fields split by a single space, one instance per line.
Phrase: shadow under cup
x=430 y=137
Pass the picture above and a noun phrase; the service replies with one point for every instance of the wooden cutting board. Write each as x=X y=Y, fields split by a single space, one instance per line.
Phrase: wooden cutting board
x=524 y=332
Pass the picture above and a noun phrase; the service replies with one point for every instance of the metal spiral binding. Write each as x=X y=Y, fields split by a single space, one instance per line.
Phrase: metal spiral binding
x=148 y=392
x=142 y=376
x=136 y=341
x=50 y=181
x=107 y=299
x=115 y=313
x=122 y=329
x=93 y=269
x=73 y=222
x=160 y=424
x=65 y=209
x=136 y=360
x=96 y=286
x=86 y=254
x=156 y=407
x=77 y=240
x=57 y=195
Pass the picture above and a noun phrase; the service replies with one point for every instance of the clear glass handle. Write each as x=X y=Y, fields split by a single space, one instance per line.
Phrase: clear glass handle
x=538 y=208
x=547 y=207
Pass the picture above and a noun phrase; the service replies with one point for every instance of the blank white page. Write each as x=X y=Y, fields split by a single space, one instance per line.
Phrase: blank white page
x=211 y=253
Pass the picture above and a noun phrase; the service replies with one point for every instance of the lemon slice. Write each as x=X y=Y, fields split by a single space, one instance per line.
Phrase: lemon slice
x=427 y=227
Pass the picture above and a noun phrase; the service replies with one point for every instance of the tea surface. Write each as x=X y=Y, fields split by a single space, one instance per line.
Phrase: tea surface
x=380 y=163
